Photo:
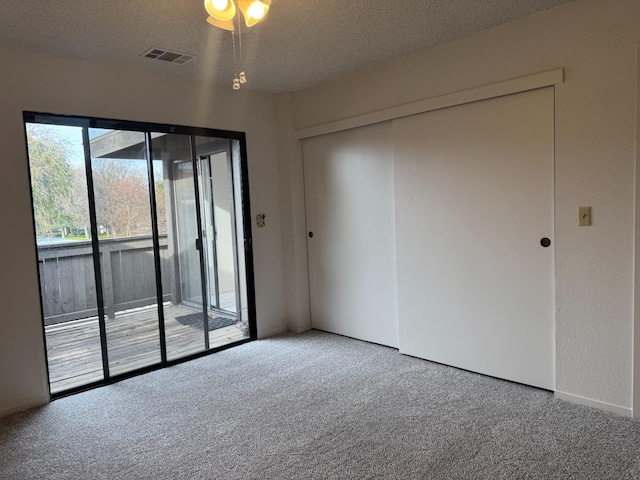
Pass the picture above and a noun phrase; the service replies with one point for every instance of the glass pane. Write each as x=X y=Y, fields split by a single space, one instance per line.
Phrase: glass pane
x=222 y=211
x=123 y=214
x=178 y=226
x=209 y=233
x=220 y=239
x=238 y=208
x=187 y=232
x=65 y=259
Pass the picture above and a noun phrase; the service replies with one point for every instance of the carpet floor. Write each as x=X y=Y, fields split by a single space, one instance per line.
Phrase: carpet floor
x=316 y=406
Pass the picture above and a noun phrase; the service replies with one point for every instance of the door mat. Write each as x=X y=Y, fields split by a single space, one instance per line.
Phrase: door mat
x=195 y=320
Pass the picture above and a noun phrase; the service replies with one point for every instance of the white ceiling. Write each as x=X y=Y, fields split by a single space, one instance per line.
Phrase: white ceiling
x=300 y=43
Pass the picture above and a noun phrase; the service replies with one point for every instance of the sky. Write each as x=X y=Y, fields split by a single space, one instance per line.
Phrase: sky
x=72 y=138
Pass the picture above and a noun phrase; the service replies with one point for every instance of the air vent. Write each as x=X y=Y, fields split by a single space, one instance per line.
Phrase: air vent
x=167 y=56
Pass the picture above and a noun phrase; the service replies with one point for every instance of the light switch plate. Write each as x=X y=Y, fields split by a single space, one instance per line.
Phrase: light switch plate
x=584 y=216
x=260 y=220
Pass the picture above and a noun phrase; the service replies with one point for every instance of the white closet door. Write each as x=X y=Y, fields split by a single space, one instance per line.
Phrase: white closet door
x=349 y=201
x=474 y=198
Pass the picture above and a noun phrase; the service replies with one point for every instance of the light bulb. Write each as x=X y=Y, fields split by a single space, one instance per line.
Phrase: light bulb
x=220 y=4
x=256 y=10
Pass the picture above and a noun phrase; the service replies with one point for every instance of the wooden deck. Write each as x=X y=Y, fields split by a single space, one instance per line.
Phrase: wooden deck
x=73 y=348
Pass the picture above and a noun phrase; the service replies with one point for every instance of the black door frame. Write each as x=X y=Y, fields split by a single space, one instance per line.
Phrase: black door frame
x=147 y=128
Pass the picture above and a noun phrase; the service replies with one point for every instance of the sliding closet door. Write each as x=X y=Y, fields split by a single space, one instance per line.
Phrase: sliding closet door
x=474 y=198
x=350 y=220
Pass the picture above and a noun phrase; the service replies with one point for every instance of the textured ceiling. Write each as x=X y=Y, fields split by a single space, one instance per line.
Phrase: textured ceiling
x=300 y=43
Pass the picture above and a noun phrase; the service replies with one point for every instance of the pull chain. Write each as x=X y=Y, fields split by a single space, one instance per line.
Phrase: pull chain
x=236 y=80
x=243 y=77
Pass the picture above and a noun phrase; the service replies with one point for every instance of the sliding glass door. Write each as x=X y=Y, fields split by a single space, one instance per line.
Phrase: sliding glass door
x=219 y=222
x=160 y=240
x=65 y=256
x=186 y=318
x=127 y=264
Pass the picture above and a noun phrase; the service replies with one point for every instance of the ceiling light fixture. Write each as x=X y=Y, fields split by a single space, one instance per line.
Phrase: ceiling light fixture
x=224 y=14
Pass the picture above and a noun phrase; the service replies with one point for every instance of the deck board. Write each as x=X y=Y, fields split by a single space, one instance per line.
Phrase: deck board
x=75 y=358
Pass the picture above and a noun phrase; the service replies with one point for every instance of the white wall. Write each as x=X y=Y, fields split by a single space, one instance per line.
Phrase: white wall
x=636 y=309
x=44 y=83
x=595 y=42
x=294 y=227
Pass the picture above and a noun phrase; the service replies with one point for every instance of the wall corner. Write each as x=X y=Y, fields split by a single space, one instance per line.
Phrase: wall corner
x=293 y=218
x=635 y=345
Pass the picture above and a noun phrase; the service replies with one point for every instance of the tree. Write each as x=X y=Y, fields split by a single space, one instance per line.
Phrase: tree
x=52 y=181
x=122 y=197
x=161 y=209
x=80 y=203
x=60 y=198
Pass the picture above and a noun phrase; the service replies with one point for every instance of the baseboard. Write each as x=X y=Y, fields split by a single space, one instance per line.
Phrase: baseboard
x=300 y=328
x=24 y=406
x=287 y=326
x=607 y=407
x=273 y=332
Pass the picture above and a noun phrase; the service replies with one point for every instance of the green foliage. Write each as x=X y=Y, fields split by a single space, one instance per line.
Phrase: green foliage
x=52 y=181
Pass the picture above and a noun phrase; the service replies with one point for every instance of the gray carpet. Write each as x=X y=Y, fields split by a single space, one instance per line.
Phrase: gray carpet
x=316 y=406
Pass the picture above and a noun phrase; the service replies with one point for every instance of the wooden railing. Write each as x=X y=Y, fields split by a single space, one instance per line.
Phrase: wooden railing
x=68 y=284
